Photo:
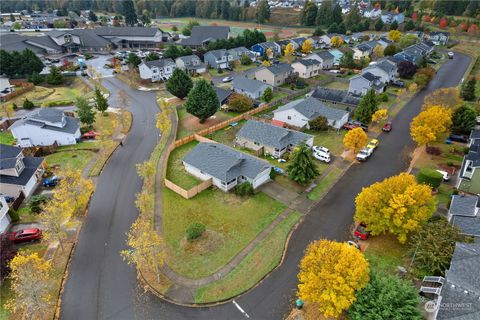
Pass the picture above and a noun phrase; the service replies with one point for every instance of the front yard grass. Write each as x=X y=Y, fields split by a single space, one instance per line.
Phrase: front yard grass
x=324 y=184
x=175 y=169
x=263 y=259
x=231 y=223
x=277 y=95
x=6 y=137
x=385 y=253
x=331 y=139
x=75 y=159
x=337 y=85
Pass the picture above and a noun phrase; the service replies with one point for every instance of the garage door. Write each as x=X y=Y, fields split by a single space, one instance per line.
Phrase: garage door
x=264 y=177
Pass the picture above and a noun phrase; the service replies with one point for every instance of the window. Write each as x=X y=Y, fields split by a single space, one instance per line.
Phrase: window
x=289 y=118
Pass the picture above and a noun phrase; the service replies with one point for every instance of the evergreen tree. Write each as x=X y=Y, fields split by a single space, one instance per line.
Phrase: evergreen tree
x=202 y=100
x=179 y=84
x=133 y=59
x=85 y=111
x=36 y=78
x=464 y=119
x=410 y=25
x=30 y=62
x=367 y=107
x=101 y=103
x=333 y=28
x=28 y=105
x=468 y=89
x=129 y=13
x=318 y=31
x=172 y=52
x=263 y=11
x=391 y=49
x=324 y=14
x=92 y=16
x=346 y=61
x=342 y=29
x=379 y=25
x=394 y=25
x=302 y=168
x=337 y=14
x=55 y=77
x=308 y=14
x=353 y=18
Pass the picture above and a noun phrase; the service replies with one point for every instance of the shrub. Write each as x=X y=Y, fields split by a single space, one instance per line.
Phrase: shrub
x=239 y=103
x=383 y=97
x=28 y=105
x=219 y=70
x=14 y=106
x=450 y=163
x=273 y=174
x=195 y=230
x=319 y=124
x=35 y=203
x=13 y=215
x=433 y=150
x=244 y=189
x=430 y=177
x=58 y=103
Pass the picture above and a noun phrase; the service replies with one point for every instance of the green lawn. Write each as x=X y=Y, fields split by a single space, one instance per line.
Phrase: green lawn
x=385 y=253
x=6 y=137
x=324 y=184
x=276 y=96
x=337 y=85
x=76 y=160
x=331 y=139
x=175 y=169
x=242 y=67
x=253 y=268
x=231 y=223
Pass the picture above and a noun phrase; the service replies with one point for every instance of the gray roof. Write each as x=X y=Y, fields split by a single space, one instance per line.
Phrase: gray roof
x=248 y=85
x=299 y=41
x=307 y=62
x=38 y=118
x=217 y=53
x=325 y=55
x=464 y=205
x=239 y=50
x=369 y=76
x=462 y=287
x=31 y=166
x=333 y=95
x=363 y=47
x=268 y=44
x=468 y=225
x=160 y=63
x=386 y=65
x=475 y=134
x=46 y=114
x=311 y=108
x=224 y=163
x=279 y=68
x=15 y=42
x=190 y=58
x=270 y=135
x=8 y=156
x=222 y=94
x=90 y=39
x=200 y=34
x=126 y=31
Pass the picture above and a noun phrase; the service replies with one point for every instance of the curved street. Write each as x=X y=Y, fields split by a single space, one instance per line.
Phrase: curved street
x=101 y=286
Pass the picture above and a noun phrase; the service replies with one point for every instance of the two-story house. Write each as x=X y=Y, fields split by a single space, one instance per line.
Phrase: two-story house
x=157 y=70
x=359 y=85
x=218 y=59
x=385 y=69
x=274 y=75
x=238 y=52
x=46 y=127
x=249 y=87
x=191 y=64
x=362 y=51
x=19 y=173
x=307 y=68
x=439 y=38
x=263 y=48
x=464 y=214
x=4 y=217
x=325 y=58
x=469 y=174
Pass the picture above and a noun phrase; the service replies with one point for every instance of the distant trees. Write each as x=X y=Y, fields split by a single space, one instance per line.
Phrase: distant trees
x=187 y=30
x=247 y=39
x=263 y=11
x=23 y=63
x=202 y=100
x=308 y=14
x=302 y=169
x=128 y=10
x=174 y=52
x=179 y=83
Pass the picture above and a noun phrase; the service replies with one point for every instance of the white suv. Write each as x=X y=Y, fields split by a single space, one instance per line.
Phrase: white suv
x=364 y=154
x=320 y=149
x=322 y=157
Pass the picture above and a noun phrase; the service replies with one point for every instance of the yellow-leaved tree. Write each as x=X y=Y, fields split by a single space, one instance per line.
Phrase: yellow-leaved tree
x=429 y=124
x=288 y=52
x=307 y=46
x=74 y=188
x=379 y=115
x=266 y=63
x=397 y=205
x=377 y=52
x=330 y=274
x=336 y=41
x=56 y=220
x=394 y=35
x=163 y=118
x=31 y=280
x=444 y=97
x=269 y=53
x=355 y=139
x=146 y=247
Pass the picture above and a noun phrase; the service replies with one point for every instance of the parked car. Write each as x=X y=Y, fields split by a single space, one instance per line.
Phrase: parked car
x=387 y=127
x=450 y=55
x=8 y=199
x=373 y=144
x=320 y=149
x=397 y=83
x=355 y=124
x=89 y=135
x=360 y=231
x=227 y=79
x=50 y=182
x=457 y=138
x=364 y=154
x=25 y=235
x=444 y=174
x=322 y=157
x=353 y=244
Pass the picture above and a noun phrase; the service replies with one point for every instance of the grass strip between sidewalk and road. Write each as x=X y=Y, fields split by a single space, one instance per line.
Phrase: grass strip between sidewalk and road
x=325 y=184
x=263 y=259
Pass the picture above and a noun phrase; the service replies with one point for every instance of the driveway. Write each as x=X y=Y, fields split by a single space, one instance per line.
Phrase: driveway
x=98 y=63
x=102 y=286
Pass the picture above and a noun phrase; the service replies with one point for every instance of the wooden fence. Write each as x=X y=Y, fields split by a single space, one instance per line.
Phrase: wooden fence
x=199 y=136
x=25 y=86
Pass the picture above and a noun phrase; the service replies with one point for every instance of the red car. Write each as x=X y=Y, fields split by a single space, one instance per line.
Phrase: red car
x=361 y=232
x=89 y=135
x=26 y=235
x=387 y=127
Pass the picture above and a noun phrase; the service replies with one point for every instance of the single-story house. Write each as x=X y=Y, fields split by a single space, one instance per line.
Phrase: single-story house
x=202 y=35
x=385 y=69
x=360 y=84
x=131 y=37
x=45 y=127
x=249 y=87
x=324 y=57
x=474 y=137
x=299 y=112
x=337 y=56
x=469 y=174
x=439 y=37
x=157 y=70
x=335 y=96
x=274 y=140
x=274 y=75
x=226 y=167
x=218 y=59
x=463 y=213
x=222 y=95
x=4 y=217
x=191 y=64
x=261 y=48
x=19 y=173
x=307 y=68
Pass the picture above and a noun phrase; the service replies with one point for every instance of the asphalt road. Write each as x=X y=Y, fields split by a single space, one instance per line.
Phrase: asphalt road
x=101 y=286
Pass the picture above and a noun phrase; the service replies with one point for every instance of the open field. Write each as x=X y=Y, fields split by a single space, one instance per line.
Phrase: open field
x=231 y=223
